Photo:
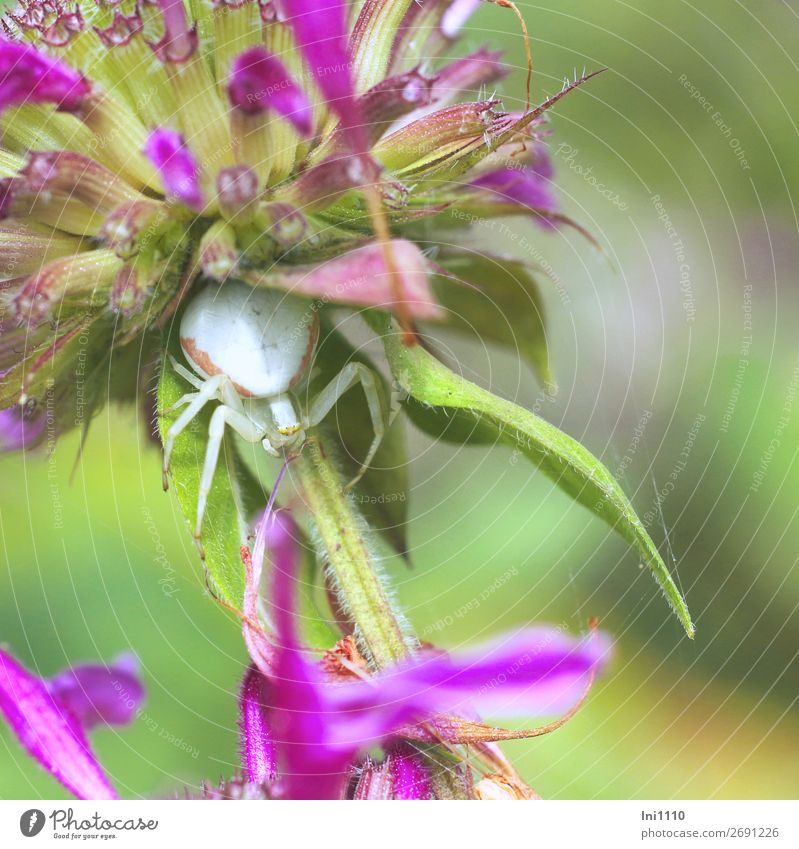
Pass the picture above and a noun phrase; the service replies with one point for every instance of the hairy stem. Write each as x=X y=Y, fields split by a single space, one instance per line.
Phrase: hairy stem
x=353 y=564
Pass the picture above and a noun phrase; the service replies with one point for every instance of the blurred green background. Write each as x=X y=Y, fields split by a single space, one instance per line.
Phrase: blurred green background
x=678 y=362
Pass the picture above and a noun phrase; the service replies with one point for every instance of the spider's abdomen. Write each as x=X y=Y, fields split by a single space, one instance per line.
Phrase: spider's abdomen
x=261 y=339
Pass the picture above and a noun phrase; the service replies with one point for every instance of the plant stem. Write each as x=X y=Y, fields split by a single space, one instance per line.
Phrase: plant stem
x=349 y=551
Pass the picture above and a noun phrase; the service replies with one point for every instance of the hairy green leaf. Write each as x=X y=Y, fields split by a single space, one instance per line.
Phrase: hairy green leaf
x=458 y=427
x=233 y=494
x=559 y=456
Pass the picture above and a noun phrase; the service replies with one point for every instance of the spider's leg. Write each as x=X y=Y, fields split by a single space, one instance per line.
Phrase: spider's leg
x=187 y=375
x=324 y=402
x=245 y=427
x=182 y=401
x=206 y=393
x=269 y=448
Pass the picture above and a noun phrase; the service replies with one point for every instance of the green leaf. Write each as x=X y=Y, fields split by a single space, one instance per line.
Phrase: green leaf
x=233 y=494
x=559 y=456
x=382 y=493
x=457 y=427
x=496 y=299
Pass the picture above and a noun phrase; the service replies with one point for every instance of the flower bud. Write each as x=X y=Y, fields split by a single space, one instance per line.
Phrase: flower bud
x=237 y=192
x=72 y=281
x=79 y=177
x=179 y=41
x=218 y=254
x=440 y=133
x=131 y=226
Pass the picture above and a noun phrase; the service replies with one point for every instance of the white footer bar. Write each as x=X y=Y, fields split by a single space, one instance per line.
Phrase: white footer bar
x=384 y=825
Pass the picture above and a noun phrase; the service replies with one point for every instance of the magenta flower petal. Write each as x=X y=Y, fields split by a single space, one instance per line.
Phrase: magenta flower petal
x=259 y=754
x=28 y=76
x=536 y=672
x=50 y=732
x=17 y=430
x=320 y=31
x=100 y=695
x=177 y=166
x=309 y=768
x=526 y=184
x=260 y=82
x=320 y=727
x=525 y=188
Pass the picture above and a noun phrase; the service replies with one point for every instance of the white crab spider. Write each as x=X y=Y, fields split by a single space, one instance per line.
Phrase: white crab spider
x=248 y=348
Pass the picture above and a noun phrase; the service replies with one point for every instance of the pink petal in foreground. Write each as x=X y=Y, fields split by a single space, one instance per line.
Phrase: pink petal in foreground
x=28 y=76
x=50 y=732
x=320 y=727
x=536 y=672
x=180 y=173
x=309 y=767
x=320 y=31
x=360 y=278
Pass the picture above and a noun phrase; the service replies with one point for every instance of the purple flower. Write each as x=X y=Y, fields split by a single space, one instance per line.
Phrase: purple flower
x=28 y=76
x=360 y=143
x=50 y=717
x=260 y=82
x=319 y=726
x=177 y=166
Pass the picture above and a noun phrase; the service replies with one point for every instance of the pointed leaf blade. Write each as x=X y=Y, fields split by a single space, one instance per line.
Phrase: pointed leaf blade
x=563 y=459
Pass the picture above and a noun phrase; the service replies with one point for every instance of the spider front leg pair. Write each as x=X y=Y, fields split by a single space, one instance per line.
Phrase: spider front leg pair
x=248 y=348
